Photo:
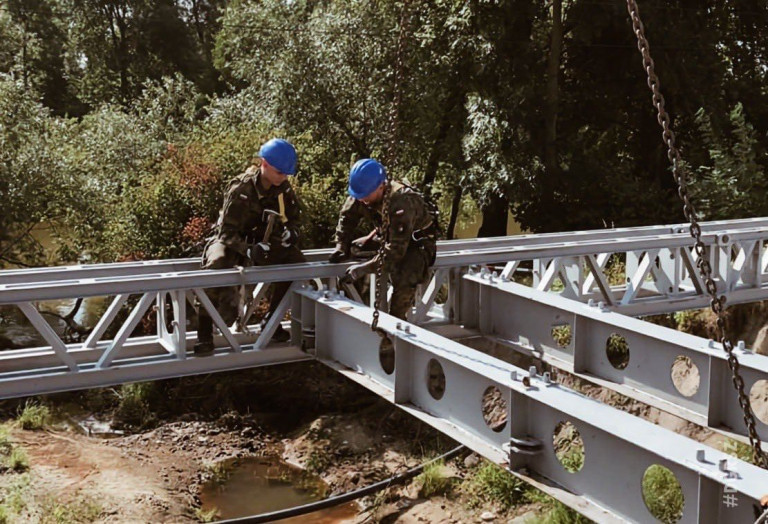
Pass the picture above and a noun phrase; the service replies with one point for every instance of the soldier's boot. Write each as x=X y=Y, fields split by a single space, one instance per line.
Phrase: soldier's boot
x=204 y=345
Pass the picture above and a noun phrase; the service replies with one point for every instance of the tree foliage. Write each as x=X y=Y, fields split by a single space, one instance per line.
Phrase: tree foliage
x=538 y=109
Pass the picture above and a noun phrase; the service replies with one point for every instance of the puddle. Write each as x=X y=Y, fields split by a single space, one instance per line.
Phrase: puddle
x=92 y=427
x=261 y=485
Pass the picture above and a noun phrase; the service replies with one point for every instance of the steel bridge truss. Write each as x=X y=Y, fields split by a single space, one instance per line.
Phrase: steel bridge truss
x=575 y=312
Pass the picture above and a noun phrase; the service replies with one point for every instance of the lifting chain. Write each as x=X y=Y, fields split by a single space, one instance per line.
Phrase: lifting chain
x=391 y=162
x=717 y=303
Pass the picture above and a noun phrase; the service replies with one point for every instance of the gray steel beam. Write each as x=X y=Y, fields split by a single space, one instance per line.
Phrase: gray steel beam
x=618 y=447
x=524 y=318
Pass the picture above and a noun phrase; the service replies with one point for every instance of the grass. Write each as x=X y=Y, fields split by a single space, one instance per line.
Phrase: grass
x=435 y=479
x=12 y=458
x=13 y=498
x=17 y=461
x=81 y=509
x=492 y=484
x=34 y=416
x=210 y=515
x=662 y=494
x=133 y=409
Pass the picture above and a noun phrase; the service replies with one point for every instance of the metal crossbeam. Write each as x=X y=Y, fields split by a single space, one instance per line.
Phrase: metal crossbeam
x=618 y=447
x=523 y=319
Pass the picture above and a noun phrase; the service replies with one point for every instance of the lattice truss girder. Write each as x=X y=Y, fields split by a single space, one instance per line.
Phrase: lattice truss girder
x=567 y=324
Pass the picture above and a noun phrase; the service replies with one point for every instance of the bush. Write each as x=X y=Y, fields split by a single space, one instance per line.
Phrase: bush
x=434 y=479
x=34 y=416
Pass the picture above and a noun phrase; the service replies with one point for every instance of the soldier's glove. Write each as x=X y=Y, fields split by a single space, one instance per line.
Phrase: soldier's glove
x=288 y=238
x=353 y=273
x=259 y=253
x=339 y=254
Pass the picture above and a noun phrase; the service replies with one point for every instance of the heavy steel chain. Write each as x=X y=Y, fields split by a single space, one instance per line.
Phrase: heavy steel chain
x=390 y=162
x=717 y=303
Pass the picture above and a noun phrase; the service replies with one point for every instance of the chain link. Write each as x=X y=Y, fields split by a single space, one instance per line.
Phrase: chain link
x=391 y=161
x=717 y=303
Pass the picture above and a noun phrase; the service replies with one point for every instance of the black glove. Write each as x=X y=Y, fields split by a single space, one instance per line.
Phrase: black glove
x=259 y=253
x=339 y=254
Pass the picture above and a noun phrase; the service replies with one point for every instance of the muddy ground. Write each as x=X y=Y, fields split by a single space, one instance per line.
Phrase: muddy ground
x=303 y=413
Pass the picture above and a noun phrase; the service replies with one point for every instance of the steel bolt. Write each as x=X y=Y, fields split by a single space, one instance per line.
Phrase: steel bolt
x=547 y=379
x=399 y=326
x=532 y=371
x=722 y=465
x=700 y=455
x=741 y=345
x=407 y=328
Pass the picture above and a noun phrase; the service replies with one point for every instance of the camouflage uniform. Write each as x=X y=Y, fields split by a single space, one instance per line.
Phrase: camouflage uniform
x=241 y=224
x=412 y=241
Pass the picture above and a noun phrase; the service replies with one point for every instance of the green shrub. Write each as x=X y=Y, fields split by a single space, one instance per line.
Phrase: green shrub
x=434 y=480
x=493 y=484
x=34 y=416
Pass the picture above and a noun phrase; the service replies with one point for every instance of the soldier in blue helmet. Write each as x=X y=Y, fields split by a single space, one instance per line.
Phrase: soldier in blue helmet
x=412 y=234
x=258 y=223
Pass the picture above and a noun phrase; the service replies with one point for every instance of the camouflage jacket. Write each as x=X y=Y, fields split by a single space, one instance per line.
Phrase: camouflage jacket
x=408 y=213
x=241 y=219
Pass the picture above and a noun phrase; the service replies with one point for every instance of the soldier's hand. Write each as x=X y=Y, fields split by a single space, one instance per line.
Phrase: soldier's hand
x=259 y=253
x=339 y=254
x=353 y=273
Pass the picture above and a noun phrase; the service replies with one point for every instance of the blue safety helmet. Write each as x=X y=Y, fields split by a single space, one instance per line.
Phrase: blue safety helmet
x=365 y=177
x=280 y=154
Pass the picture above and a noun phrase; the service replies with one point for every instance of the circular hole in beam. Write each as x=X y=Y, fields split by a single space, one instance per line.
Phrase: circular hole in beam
x=758 y=398
x=662 y=494
x=569 y=447
x=561 y=334
x=435 y=379
x=387 y=355
x=617 y=351
x=685 y=376
x=494 y=409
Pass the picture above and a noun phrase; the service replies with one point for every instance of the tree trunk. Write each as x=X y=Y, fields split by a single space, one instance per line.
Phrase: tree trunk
x=455 y=206
x=553 y=93
x=495 y=217
x=455 y=98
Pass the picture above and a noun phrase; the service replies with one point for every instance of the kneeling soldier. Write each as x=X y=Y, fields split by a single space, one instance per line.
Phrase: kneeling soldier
x=411 y=239
x=259 y=223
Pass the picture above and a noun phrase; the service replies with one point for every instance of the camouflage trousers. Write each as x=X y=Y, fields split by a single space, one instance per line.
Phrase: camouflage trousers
x=227 y=299
x=411 y=271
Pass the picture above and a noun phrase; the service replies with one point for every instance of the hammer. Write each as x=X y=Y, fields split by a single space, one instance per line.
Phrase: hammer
x=270 y=216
